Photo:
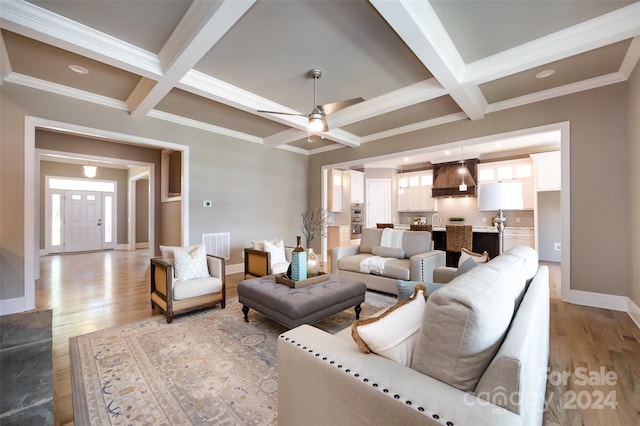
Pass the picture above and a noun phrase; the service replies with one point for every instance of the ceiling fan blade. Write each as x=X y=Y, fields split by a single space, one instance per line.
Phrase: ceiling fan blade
x=335 y=106
x=282 y=113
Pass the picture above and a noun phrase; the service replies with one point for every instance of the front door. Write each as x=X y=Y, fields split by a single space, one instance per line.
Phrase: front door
x=83 y=221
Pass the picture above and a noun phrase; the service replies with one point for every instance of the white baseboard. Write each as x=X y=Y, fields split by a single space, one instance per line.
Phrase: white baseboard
x=607 y=301
x=599 y=300
x=634 y=312
x=13 y=306
x=142 y=246
x=234 y=269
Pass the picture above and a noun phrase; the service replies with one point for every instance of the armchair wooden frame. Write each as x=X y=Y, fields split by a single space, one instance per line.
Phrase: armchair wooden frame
x=162 y=276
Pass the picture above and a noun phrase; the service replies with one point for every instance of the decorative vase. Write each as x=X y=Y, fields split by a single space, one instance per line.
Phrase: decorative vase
x=313 y=264
x=298 y=262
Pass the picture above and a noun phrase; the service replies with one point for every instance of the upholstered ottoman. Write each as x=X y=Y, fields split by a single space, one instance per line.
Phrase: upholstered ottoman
x=292 y=307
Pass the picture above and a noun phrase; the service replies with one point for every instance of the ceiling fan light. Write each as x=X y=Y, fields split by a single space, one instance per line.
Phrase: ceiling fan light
x=316 y=124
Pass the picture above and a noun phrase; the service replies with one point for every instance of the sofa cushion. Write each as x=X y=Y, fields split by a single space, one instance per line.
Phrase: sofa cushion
x=416 y=242
x=477 y=257
x=463 y=327
x=190 y=262
x=387 y=252
x=398 y=268
x=530 y=258
x=352 y=263
x=393 y=333
x=370 y=237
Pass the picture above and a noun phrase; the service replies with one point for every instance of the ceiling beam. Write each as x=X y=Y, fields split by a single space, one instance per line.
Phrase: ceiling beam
x=416 y=93
x=418 y=26
x=202 y=26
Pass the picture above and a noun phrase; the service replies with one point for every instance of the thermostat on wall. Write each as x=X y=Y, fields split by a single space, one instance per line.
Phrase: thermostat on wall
x=207 y=203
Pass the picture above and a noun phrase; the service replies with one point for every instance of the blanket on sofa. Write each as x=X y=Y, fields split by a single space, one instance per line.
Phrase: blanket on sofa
x=391 y=238
x=373 y=264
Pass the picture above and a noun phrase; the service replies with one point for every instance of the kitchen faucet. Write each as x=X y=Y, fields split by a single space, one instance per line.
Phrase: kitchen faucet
x=433 y=218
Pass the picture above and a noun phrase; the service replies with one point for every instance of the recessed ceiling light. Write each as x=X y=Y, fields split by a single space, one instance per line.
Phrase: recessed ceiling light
x=78 y=69
x=545 y=73
x=498 y=144
x=405 y=159
x=447 y=152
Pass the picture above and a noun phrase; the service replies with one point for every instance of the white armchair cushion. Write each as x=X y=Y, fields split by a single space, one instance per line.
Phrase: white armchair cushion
x=197 y=287
x=190 y=262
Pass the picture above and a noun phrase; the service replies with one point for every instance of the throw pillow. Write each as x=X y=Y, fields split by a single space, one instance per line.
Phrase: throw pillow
x=466 y=266
x=477 y=257
x=406 y=288
x=190 y=262
x=393 y=333
x=276 y=248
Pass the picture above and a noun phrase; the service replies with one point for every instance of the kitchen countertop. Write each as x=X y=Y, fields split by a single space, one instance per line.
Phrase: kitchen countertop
x=476 y=228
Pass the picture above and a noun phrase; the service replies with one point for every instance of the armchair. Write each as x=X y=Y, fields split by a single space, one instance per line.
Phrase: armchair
x=174 y=297
x=272 y=259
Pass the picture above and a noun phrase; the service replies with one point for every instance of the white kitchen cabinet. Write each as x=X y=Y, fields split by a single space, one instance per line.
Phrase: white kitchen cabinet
x=548 y=172
x=356 y=180
x=416 y=194
x=335 y=191
x=514 y=237
x=510 y=171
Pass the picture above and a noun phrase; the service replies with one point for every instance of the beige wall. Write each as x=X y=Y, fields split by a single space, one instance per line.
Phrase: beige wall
x=599 y=174
x=257 y=192
x=634 y=190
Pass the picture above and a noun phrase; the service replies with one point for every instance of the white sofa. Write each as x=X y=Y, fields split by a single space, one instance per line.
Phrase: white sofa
x=410 y=257
x=480 y=358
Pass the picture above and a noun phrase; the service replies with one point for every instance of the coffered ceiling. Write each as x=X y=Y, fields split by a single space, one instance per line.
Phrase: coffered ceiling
x=416 y=64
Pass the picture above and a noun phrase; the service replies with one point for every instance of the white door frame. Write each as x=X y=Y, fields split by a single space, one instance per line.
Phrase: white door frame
x=31 y=201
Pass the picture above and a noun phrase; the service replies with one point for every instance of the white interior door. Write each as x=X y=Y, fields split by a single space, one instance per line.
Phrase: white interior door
x=378 y=202
x=83 y=221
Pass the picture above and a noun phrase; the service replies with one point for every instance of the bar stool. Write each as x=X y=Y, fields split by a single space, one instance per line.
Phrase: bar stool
x=458 y=237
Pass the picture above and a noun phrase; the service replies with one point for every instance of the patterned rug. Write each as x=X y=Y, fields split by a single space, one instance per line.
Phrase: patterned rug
x=209 y=367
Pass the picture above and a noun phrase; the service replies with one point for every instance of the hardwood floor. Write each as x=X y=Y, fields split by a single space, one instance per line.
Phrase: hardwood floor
x=93 y=291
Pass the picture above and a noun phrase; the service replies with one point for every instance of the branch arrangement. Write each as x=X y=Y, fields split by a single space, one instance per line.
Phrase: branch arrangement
x=314 y=224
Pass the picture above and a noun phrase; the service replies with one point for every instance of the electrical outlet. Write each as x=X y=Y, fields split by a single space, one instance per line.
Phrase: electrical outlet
x=517 y=220
x=557 y=247
x=207 y=203
x=484 y=220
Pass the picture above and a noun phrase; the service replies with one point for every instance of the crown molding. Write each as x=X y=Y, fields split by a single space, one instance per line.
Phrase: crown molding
x=40 y=24
x=59 y=89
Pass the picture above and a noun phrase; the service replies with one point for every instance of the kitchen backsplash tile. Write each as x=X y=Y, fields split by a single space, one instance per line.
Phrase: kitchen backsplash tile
x=467 y=208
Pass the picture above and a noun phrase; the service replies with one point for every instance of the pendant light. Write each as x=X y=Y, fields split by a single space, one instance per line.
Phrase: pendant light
x=400 y=188
x=463 y=186
x=90 y=171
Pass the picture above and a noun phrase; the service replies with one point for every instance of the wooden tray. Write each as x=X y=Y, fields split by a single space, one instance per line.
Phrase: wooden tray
x=296 y=284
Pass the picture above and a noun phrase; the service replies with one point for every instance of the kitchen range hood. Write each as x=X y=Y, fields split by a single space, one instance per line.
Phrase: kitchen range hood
x=447 y=179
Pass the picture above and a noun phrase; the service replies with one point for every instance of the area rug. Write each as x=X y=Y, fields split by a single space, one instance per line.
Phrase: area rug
x=209 y=367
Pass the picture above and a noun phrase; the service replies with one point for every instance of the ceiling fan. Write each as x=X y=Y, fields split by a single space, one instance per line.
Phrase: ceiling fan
x=318 y=117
